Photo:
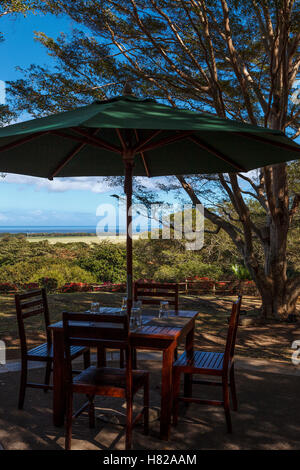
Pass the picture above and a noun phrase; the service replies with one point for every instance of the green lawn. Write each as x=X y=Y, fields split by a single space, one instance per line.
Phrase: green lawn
x=261 y=341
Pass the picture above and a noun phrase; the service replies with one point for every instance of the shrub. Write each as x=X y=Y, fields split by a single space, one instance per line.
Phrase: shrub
x=106 y=262
x=167 y=274
x=8 y=287
x=31 y=286
x=48 y=283
x=64 y=273
x=192 y=268
x=76 y=287
x=241 y=272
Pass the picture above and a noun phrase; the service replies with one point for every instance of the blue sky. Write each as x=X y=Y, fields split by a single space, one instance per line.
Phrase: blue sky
x=32 y=201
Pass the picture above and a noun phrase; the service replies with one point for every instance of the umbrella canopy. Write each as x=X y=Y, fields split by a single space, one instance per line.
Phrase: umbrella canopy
x=144 y=137
x=164 y=141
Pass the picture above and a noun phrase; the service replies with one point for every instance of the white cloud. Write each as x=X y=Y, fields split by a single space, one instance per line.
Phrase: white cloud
x=93 y=184
x=3 y=218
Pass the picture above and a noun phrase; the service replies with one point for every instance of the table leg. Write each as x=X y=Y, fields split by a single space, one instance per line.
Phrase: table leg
x=101 y=356
x=166 y=393
x=59 y=392
x=189 y=347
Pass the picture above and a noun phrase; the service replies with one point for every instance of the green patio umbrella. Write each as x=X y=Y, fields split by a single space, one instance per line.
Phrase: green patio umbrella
x=141 y=137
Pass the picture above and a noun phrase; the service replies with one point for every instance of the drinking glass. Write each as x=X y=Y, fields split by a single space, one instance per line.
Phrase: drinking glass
x=124 y=305
x=163 y=309
x=95 y=307
x=137 y=308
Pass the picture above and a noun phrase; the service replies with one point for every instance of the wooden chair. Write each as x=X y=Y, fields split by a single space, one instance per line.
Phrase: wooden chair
x=30 y=304
x=216 y=364
x=152 y=293
x=111 y=332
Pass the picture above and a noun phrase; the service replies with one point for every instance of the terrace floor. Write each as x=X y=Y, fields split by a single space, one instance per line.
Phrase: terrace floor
x=268 y=417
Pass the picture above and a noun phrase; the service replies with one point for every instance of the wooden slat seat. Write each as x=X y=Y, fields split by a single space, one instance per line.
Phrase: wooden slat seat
x=43 y=351
x=31 y=304
x=207 y=363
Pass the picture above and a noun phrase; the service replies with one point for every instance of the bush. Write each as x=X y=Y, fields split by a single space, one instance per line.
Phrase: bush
x=106 y=262
x=193 y=268
x=241 y=272
x=64 y=273
x=6 y=287
x=31 y=286
x=76 y=287
x=48 y=283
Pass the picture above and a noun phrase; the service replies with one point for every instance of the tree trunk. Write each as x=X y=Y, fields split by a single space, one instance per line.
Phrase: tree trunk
x=277 y=305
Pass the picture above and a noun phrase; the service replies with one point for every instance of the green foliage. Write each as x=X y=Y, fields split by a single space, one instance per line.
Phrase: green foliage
x=241 y=272
x=187 y=269
x=106 y=261
x=49 y=283
x=63 y=273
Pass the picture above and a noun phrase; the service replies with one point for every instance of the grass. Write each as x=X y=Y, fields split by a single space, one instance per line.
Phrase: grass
x=272 y=341
x=81 y=239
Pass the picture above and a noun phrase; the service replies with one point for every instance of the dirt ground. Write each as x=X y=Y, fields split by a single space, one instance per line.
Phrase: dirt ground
x=267 y=418
x=272 y=341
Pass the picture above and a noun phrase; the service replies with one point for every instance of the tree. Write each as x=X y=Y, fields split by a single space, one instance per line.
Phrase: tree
x=236 y=59
x=11 y=7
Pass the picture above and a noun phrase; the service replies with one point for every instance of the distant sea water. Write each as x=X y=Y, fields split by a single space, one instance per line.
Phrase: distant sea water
x=64 y=229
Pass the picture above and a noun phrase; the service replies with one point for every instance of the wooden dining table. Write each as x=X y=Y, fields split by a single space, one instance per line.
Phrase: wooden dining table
x=155 y=334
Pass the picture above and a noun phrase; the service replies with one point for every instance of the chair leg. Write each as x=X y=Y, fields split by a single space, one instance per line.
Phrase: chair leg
x=146 y=407
x=86 y=359
x=91 y=412
x=47 y=375
x=176 y=391
x=175 y=354
x=226 y=403
x=128 y=424
x=121 y=358
x=23 y=384
x=233 y=389
x=69 y=416
x=134 y=359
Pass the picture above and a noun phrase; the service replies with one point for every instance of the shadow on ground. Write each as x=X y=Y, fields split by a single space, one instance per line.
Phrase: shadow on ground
x=268 y=418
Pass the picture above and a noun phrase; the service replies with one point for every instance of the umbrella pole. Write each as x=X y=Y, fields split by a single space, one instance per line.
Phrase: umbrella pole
x=128 y=191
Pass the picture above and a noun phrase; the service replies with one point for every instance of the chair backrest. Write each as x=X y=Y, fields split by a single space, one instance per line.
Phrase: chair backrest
x=152 y=293
x=93 y=330
x=31 y=304
x=232 y=332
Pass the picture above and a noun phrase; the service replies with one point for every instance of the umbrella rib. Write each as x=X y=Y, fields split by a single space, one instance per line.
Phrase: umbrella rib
x=122 y=141
x=83 y=140
x=142 y=155
x=96 y=140
x=21 y=141
x=268 y=141
x=165 y=141
x=140 y=145
x=66 y=160
x=209 y=148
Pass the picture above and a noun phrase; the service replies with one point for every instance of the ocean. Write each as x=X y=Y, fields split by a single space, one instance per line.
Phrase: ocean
x=64 y=229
